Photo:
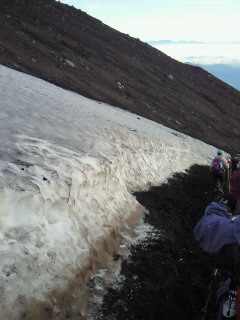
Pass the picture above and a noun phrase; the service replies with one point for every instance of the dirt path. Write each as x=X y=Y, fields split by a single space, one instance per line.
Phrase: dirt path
x=167 y=276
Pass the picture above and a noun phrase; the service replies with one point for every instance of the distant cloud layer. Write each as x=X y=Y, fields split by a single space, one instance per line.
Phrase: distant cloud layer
x=192 y=51
x=161 y=42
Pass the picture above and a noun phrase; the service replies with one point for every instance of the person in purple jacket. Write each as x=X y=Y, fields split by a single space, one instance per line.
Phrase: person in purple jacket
x=218 y=234
x=235 y=188
x=219 y=229
x=219 y=169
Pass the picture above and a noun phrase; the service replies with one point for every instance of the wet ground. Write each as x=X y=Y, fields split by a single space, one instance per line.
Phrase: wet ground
x=167 y=276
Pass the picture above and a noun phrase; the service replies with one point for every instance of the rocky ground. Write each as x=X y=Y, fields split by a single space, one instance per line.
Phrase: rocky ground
x=167 y=276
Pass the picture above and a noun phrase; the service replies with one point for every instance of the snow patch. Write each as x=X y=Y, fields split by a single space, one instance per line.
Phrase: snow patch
x=68 y=168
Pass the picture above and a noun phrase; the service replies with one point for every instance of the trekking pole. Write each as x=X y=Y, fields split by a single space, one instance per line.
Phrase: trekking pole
x=213 y=277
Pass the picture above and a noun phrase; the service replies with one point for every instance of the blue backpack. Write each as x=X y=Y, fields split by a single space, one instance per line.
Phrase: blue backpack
x=216 y=166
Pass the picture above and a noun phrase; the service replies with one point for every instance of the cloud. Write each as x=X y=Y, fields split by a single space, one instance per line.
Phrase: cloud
x=214 y=53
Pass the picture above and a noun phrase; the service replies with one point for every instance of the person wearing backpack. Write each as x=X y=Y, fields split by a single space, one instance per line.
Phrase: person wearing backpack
x=219 y=170
x=218 y=227
x=235 y=161
x=218 y=234
x=235 y=187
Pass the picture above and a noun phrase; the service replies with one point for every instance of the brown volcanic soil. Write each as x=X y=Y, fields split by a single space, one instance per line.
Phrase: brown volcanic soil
x=36 y=36
x=167 y=276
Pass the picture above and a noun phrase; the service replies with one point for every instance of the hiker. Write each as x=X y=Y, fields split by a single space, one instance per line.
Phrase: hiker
x=218 y=229
x=219 y=170
x=235 y=160
x=235 y=188
x=218 y=234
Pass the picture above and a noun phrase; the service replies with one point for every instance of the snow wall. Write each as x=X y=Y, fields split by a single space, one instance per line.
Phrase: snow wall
x=68 y=167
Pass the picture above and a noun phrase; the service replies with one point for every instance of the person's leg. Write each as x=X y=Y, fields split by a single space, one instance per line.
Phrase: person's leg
x=237 y=208
x=222 y=179
x=219 y=183
x=216 y=181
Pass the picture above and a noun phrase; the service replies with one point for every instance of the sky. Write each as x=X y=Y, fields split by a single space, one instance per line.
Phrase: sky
x=215 y=23
x=68 y=168
x=200 y=20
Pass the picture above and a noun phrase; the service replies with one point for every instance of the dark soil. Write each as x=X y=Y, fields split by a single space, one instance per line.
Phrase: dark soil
x=37 y=36
x=167 y=276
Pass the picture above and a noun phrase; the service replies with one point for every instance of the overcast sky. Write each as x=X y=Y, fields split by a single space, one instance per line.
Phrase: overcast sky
x=200 y=20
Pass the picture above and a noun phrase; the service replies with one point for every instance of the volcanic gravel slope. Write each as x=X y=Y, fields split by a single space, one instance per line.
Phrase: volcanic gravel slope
x=37 y=36
x=167 y=276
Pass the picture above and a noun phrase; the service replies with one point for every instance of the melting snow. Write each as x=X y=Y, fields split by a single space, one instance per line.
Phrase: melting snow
x=68 y=166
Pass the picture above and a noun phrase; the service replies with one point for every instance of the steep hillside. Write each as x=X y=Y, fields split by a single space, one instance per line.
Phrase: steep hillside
x=38 y=36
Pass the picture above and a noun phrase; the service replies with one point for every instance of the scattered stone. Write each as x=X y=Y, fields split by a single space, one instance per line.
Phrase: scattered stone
x=170 y=76
x=120 y=86
x=53 y=53
x=70 y=63
x=237 y=133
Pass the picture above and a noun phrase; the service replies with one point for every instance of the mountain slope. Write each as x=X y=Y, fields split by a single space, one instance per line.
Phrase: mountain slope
x=37 y=37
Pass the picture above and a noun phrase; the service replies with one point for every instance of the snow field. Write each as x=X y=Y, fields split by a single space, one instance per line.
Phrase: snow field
x=68 y=168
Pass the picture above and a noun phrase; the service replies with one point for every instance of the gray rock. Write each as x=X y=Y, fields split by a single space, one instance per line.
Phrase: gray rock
x=170 y=76
x=70 y=63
